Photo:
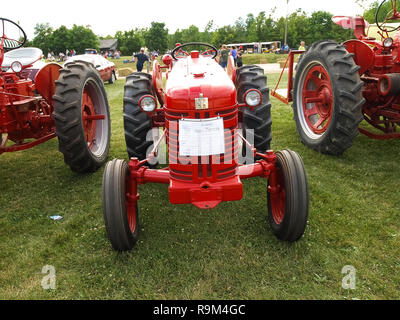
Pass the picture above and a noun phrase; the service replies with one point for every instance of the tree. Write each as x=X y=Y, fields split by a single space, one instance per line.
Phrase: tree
x=156 y=38
x=223 y=35
x=191 y=34
x=130 y=41
x=251 y=28
x=60 y=40
x=81 y=37
x=240 y=30
x=384 y=11
x=299 y=29
x=42 y=33
x=206 y=36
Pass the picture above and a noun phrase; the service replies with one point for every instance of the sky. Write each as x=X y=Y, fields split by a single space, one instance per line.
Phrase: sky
x=107 y=17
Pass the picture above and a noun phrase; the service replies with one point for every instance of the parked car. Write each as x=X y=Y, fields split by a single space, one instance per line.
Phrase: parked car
x=90 y=51
x=106 y=68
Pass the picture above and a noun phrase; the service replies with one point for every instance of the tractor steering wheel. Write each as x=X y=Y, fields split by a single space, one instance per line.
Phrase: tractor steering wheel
x=392 y=15
x=213 y=50
x=9 y=43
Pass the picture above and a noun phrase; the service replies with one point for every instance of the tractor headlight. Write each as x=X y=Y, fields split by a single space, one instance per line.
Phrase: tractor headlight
x=16 y=66
x=147 y=103
x=253 y=97
x=388 y=42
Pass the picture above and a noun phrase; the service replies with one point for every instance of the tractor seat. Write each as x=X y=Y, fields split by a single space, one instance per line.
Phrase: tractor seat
x=26 y=56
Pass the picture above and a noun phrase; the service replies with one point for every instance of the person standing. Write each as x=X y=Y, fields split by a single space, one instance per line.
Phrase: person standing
x=239 y=61
x=141 y=59
x=224 y=56
x=302 y=46
x=234 y=54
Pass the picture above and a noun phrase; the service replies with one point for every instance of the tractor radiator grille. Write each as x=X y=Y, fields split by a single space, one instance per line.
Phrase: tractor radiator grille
x=211 y=168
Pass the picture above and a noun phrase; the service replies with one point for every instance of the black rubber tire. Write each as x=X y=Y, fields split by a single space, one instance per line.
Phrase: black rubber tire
x=259 y=120
x=74 y=77
x=113 y=78
x=114 y=206
x=347 y=97
x=295 y=216
x=137 y=123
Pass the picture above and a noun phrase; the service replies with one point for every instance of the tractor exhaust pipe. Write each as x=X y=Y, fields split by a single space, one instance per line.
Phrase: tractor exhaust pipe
x=389 y=84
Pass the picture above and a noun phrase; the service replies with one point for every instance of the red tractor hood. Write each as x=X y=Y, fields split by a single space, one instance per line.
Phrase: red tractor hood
x=191 y=77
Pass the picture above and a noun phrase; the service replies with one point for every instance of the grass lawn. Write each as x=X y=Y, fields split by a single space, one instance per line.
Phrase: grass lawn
x=185 y=253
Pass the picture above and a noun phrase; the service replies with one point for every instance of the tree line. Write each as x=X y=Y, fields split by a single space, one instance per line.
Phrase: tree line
x=252 y=28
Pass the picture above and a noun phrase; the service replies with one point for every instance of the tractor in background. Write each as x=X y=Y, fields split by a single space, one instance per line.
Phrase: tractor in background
x=337 y=86
x=40 y=101
x=209 y=117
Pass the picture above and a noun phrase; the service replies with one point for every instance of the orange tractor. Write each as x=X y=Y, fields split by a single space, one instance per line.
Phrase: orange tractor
x=40 y=101
x=337 y=86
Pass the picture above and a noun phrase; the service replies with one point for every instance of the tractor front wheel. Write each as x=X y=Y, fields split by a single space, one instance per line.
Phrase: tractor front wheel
x=327 y=99
x=82 y=117
x=288 y=197
x=137 y=123
x=257 y=122
x=120 y=208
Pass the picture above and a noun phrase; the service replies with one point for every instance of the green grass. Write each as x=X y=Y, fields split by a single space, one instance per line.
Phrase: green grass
x=185 y=253
x=263 y=58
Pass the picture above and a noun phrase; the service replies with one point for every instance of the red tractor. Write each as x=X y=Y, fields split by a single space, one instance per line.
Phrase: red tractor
x=40 y=101
x=204 y=112
x=337 y=86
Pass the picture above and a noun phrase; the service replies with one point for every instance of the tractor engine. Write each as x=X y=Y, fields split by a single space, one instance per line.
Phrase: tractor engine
x=23 y=113
x=200 y=107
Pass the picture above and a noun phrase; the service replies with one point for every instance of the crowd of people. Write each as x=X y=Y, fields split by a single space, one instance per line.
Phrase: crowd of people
x=224 y=52
x=111 y=54
x=61 y=55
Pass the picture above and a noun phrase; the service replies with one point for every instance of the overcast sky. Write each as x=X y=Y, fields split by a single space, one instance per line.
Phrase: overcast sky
x=107 y=17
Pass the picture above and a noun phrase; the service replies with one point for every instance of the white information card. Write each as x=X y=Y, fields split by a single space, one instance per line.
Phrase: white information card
x=201 y=137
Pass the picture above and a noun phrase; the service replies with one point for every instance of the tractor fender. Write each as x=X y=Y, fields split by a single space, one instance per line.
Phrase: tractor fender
x=363 y=54
x=45 y=81
x=231 y=69
x=358 y=24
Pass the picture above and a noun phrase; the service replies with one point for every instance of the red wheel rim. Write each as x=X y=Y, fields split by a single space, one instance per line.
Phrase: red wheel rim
x=131 y=205
x=278 y=198
x=88 y=118
x=317 y=99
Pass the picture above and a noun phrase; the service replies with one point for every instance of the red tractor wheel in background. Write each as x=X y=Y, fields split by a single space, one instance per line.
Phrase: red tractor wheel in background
x=288 y=205
x=327 y=99
x=120 y=208
x=259 y=119
x=137 y=123
x=82 y=117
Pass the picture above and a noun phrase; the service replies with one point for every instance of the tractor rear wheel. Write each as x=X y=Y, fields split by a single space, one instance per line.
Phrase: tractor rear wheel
x=120 y=213
x=137 y=123
x=327 y=99
x=258 y=121
x=288 y=204
x=82 y=117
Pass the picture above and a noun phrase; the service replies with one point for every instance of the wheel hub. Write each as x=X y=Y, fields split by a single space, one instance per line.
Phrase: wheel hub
x=317 y=99
x=89 y=124
x=278 y=198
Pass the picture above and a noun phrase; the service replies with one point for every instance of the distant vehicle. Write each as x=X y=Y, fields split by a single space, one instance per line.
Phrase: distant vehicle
x=257 y=47
x=90 y=51
x=106 y=68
